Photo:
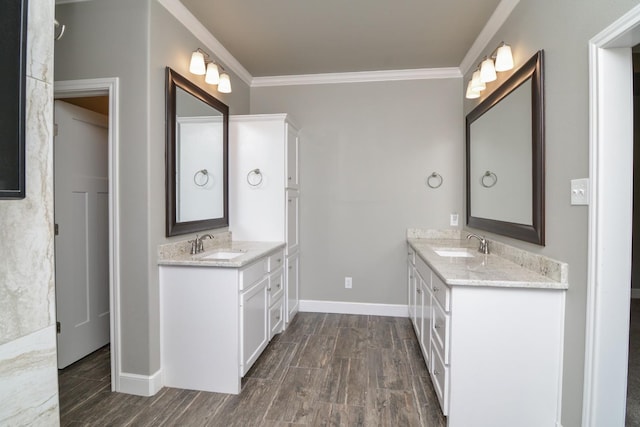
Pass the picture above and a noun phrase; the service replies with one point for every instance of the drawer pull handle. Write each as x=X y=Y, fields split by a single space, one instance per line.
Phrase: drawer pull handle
x=436 y=326
x=269 y=289
x=418 y=291
x=279 y=260
x=278 y=285
x=278 y=317
x=436 y=289
x=289 y=178
x=436 y=372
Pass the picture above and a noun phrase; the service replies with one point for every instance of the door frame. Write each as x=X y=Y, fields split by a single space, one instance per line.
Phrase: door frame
x=110 y=87
x=610 y=221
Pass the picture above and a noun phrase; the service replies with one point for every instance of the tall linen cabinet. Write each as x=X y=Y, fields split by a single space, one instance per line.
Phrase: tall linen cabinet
x=264 y=189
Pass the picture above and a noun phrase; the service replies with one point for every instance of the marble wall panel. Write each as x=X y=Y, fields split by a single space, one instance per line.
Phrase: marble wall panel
x=28 y=368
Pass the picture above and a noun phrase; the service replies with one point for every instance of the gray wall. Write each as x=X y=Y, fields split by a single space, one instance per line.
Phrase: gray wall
x=563 y=30
x=365 y=151
x=135 y=41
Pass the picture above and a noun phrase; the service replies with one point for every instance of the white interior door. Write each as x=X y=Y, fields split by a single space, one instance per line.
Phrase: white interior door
x=82 y=239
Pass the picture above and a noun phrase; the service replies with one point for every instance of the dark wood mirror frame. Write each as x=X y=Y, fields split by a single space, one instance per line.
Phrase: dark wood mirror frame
x=173 y=81
x=533 y=69
x=13 y=48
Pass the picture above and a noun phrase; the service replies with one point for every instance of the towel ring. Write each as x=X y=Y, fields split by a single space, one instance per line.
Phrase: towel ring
x=254 y=177
x=437 y=176
x=198 y=181
x=62 y=28
x=491 y=175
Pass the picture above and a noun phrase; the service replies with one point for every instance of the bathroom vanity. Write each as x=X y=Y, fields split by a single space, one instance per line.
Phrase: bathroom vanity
x=219 y=309
x=490 y=329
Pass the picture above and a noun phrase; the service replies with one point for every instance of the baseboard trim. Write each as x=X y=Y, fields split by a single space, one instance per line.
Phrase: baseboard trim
x=140 y=385
x=317 y=306
x=635 y=293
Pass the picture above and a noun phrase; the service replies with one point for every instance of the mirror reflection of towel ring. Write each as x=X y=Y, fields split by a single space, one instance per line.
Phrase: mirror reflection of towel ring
x=201 y=178
x=254 y=177
x=492 y=176
x=434 y=180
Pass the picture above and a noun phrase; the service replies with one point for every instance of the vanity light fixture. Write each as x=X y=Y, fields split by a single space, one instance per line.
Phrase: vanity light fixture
x=500 y=60
x=201 y=64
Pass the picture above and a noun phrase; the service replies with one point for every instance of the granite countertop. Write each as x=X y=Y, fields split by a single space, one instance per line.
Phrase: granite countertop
x=487 y=270
x=250 y=252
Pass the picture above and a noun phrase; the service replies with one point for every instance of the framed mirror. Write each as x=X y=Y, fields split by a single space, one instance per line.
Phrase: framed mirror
x=197 y=148
x=505 y=157
x=13 y=49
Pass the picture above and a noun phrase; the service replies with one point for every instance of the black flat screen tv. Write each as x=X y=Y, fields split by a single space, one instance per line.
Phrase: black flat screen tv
x=13 y=61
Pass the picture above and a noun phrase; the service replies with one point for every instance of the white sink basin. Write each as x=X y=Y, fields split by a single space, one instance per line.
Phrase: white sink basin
x=454 y=253
x=223 y=255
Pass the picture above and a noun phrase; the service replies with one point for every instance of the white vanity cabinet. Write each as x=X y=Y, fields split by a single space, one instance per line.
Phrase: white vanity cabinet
x=494 y=352
x=264 y=190
x=216 y=321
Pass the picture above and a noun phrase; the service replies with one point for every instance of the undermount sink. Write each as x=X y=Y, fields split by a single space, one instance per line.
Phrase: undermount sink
x=223 y=255
x=454 y=252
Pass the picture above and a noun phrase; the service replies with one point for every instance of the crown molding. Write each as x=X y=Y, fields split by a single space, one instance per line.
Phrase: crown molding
x=190 y=22
x=491 y=28
x=358 y=77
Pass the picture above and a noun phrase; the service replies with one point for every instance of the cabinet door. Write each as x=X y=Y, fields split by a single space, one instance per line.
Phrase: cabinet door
x=293 y=215
x=253 y=324
x=411 y=277
x=292 y=286
x=292 y=158
x=425 y=327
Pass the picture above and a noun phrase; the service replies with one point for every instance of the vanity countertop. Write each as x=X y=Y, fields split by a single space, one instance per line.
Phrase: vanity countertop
x=483 y=270
x=250 y=252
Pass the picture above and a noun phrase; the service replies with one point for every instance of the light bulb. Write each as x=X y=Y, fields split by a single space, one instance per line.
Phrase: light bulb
x=213 y=75
x=487 y=71
x=504 y=59
x=224 y=86
x=197 y=63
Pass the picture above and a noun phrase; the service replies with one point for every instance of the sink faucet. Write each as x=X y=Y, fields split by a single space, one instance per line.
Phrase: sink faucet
x=484 y=245
x=197 y=244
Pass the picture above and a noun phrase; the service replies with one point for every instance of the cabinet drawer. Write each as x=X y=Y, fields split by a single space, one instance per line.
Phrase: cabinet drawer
x=253 y=273
x=440 y=326
x=424 y=271
x=276 y=318
x=276 y=286
x=440 y=377
x=276 y=261
x=441 y=292
x=411 y=255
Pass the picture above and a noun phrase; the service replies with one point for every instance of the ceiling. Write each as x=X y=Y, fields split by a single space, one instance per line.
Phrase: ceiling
x=298 y=37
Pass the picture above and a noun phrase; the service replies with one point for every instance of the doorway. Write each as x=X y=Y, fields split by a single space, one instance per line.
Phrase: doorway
x=81 y=212
x=81 y=92
x=610 y=221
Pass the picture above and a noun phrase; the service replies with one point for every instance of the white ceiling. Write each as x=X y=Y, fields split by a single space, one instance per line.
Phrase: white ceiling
x=299 y=37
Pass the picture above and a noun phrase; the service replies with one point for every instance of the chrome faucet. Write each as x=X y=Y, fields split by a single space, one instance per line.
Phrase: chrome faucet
x=484 y=244
x=197 y=244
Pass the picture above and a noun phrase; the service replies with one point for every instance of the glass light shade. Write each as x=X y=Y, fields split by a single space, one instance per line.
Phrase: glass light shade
x=487 y=71
x=224 y=86
x=213 y=75
x=471 y=94
x=504 y=59
x=477 y=84
x=197 y=63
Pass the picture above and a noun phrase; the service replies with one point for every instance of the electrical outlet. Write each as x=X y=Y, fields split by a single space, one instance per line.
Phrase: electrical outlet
x=453 y=220
x=348 y=282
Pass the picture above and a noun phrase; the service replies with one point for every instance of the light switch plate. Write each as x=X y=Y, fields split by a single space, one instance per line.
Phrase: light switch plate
x=453 y=220
x=580 y=191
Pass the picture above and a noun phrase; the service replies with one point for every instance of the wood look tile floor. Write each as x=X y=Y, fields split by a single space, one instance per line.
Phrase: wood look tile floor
x=324 y=370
